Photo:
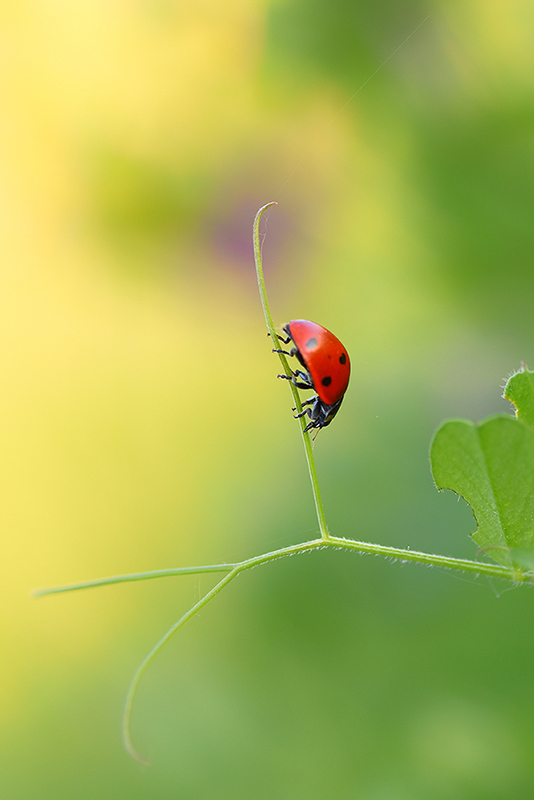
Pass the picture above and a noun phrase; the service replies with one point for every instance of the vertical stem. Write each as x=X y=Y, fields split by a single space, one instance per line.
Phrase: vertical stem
x=315 y=485
x=269 y=321
x=259 y=269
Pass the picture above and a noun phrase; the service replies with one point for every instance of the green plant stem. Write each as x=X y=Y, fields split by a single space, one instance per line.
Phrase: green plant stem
x=274 y=338
x=476 y=567
x=465 y=565
x=126 y=729
x=473 y=567
x=135 y=576
x=259 y=270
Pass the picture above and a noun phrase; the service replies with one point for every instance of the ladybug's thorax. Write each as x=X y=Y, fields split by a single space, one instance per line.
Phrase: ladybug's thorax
x=324 y=357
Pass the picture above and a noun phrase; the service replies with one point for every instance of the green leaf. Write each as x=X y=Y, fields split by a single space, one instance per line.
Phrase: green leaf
x=491 y=465
x=523 y=557
x=520 y=391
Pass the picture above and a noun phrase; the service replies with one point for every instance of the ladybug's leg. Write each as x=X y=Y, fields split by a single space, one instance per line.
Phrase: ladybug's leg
x=292 y=352
x=313 y=413
x=281 y=338
x=305 y=403
x=293 y=379
x=300 y=379
x=313 y=424
x=304 y=376
x=309 y=402
x=304 y=380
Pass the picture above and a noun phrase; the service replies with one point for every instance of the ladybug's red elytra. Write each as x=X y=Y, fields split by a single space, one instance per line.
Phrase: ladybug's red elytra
x=327 y=369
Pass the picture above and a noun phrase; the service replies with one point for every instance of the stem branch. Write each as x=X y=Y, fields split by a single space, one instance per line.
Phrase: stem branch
x=479 y=568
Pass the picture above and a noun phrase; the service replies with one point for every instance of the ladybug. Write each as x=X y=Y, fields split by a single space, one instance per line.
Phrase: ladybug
x=327 y=369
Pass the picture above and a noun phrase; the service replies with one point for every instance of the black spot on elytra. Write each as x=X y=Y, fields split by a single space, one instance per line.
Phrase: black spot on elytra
x=311 y=344
x=326 y=381
x=342 y=358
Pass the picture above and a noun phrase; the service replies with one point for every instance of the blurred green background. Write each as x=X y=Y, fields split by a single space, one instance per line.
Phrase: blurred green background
x=143 y=426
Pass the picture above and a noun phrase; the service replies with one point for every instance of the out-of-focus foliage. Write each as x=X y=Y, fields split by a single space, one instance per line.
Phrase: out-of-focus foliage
x=142 y=425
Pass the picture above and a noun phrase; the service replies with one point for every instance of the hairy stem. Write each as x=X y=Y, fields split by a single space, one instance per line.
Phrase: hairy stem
x=465 y=565
x=430 y=559
x=476 y=567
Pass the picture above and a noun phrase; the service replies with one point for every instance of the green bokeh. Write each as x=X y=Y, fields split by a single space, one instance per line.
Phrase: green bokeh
x=143 y=427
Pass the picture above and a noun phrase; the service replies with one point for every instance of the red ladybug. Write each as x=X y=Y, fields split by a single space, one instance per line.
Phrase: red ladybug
x=327 y=369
